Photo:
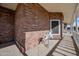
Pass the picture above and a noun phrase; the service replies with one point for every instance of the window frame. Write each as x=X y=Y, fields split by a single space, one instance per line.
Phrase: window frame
x=58 y=26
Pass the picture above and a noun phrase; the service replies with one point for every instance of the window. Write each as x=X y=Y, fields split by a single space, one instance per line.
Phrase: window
x=74 y=26
x=55 y=26
x=78 y=24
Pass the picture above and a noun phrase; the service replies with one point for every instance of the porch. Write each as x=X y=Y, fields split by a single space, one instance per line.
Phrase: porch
x=65 y=47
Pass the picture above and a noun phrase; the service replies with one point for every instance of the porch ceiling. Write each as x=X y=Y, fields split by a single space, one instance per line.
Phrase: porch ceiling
x=66 y=8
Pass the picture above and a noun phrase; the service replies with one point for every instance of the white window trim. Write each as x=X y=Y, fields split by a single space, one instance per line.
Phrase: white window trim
x=51 y=25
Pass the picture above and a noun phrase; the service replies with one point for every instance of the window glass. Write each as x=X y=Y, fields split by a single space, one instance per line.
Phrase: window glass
x=55 y=27
x=78 y=24
x=74 y=25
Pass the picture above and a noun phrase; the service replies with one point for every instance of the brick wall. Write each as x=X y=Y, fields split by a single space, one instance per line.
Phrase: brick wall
x=57 y=15
x=28 y=19
x=6 y=25
x=31 y=23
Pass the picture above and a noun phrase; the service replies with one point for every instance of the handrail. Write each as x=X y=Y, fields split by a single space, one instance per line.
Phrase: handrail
x=47 y=36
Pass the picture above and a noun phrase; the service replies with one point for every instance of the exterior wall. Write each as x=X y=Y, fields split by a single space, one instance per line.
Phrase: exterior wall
x=30 y=20
x=31 y=23
x=57 y=15
x=6 y=25
x=19 y=31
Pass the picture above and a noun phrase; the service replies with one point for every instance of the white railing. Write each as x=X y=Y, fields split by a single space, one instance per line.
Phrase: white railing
x=47 y=37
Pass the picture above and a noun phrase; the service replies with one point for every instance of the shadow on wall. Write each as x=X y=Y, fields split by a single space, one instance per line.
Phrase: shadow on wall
x=6 y=25
x=7 y=44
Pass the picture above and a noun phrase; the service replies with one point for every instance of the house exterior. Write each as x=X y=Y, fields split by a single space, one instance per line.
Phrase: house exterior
x=32 y=22
x=6 y=25
x=38 y=29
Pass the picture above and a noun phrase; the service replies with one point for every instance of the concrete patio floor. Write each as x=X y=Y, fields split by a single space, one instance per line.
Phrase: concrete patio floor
x=41 y=49
x=9 y=49
x=65 y=47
